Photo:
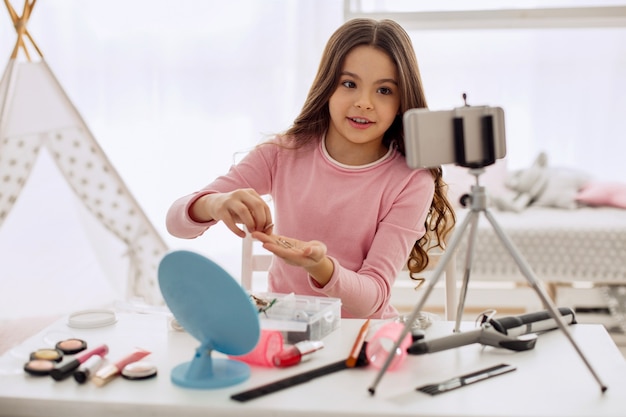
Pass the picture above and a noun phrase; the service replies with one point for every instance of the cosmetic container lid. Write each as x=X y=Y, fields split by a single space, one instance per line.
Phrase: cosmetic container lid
x=139 y=370
x=81 y=376
x=90 y=319
x=71 y=346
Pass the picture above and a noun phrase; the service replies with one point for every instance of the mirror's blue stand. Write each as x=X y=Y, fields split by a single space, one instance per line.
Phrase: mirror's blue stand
x=213 y=308
x=204 y=371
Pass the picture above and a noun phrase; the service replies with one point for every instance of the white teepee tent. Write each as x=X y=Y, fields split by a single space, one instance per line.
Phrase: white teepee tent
x=36 y=115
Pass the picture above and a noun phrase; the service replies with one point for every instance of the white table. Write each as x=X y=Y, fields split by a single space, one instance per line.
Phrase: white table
x=550 y=380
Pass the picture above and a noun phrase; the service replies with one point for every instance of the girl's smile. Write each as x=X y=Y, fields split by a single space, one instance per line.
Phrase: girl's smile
x=359 y=122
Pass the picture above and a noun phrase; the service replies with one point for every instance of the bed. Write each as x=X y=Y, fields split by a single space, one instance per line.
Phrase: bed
x=569 y=226
x=571 y=230
x=579 y=254
x=561 y=246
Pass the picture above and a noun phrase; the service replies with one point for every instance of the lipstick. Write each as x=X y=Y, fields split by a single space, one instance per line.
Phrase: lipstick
x=295 y=354
x=109 y=372
x=87 y=369
x=61 y=372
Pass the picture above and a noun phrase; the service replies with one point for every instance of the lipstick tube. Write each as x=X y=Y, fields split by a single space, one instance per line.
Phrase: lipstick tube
x=87 y=369
x=61 y=372
x=109 y=372
x=296 y=353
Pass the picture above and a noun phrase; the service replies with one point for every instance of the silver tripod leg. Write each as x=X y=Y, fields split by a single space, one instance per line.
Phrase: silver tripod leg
x=472 y=218
x=468 y=268
x=541 y=292
x=447 y=257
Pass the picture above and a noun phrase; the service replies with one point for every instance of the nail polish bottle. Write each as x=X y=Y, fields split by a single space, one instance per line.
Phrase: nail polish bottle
x=294 y=354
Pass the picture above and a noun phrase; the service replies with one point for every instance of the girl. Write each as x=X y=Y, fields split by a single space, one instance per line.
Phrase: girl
x=348 y=209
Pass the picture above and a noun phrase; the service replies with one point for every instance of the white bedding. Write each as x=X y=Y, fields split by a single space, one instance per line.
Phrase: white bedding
x=585 y=244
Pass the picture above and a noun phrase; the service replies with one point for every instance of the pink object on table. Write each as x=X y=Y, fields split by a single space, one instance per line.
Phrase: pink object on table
x=269 y=344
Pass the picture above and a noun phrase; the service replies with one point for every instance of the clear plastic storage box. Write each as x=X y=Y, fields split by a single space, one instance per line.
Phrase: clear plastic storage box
x=299 y=317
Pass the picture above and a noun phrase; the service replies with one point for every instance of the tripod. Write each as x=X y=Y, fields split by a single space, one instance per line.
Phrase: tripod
x=478 y=199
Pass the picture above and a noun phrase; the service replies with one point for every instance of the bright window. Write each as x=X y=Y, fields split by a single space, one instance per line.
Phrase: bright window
x=558 y=72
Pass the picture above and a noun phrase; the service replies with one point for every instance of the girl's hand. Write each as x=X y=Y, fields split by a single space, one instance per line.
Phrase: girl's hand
x=244 y=206
x=308 y=255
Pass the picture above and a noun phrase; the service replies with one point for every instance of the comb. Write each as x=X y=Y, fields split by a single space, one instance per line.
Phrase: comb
x=467 y=379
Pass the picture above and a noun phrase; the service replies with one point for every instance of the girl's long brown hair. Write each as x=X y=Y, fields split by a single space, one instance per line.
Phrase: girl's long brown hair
x=314 y=118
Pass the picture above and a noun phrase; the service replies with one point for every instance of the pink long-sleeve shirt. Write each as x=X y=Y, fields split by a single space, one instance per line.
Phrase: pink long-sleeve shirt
x=368 y=216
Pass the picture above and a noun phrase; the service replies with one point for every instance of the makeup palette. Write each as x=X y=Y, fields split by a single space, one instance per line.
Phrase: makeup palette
x=47 y=354
x=209 y=304
x=139 y=370
x=43 y=361
x=71 y=346
x=39 y=367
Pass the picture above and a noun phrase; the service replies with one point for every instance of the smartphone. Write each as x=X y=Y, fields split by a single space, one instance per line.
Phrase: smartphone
x=429 y=136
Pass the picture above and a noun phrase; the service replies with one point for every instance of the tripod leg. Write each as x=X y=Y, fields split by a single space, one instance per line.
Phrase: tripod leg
x=441 y=266
x=541 y=292
x=468 y=267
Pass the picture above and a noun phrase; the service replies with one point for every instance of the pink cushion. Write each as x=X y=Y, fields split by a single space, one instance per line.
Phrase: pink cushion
x=603 y=194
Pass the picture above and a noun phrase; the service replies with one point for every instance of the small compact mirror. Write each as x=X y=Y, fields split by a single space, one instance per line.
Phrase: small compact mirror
x=211 y=306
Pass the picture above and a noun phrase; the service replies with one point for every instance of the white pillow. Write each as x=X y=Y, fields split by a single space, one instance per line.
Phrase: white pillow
x=562 y=188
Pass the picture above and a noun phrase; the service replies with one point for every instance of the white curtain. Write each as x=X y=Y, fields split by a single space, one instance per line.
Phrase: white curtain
x=172 y=91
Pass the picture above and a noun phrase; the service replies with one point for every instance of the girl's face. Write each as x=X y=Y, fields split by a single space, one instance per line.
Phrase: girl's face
x=363 y=106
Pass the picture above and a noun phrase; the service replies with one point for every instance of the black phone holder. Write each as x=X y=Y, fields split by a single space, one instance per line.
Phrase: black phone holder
x=488 y=142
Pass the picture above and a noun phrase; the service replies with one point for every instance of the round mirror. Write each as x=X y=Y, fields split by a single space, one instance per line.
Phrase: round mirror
x=211 y=306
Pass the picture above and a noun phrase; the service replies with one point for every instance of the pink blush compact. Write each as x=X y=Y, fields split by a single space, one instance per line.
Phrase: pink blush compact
x=71 y=346
x=39 y=367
